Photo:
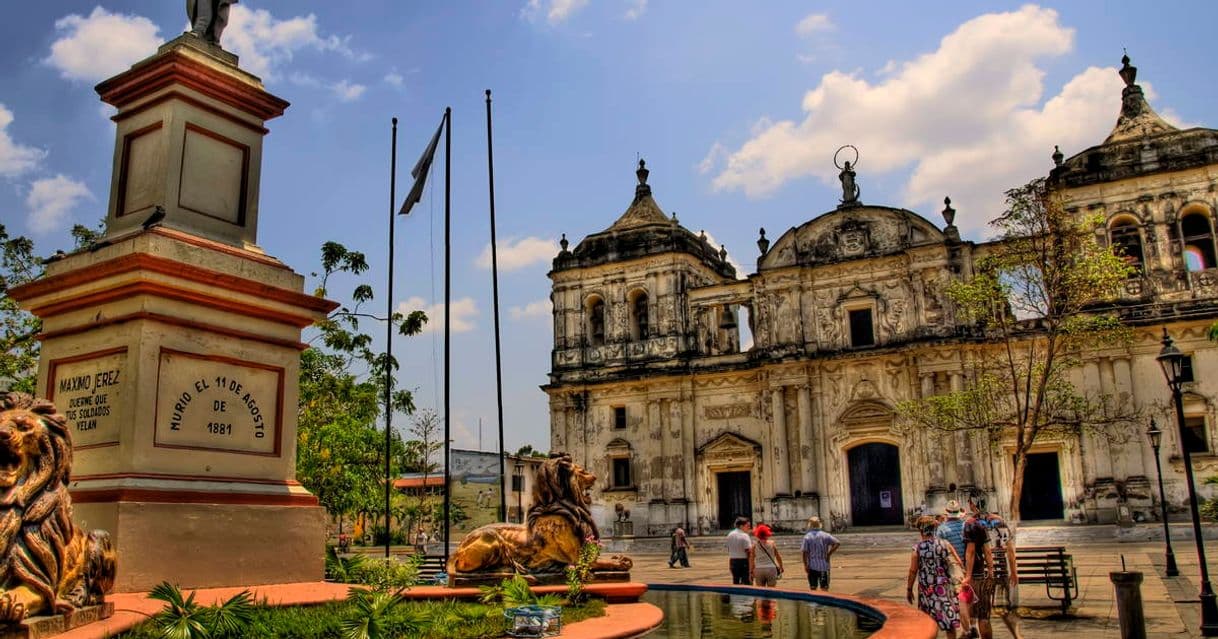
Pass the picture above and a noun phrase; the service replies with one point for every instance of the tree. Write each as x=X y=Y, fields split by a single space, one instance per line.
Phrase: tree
x=1038 y=298
x=20 y=264
x=528 y=451
x=420 y=451
x=340 y=447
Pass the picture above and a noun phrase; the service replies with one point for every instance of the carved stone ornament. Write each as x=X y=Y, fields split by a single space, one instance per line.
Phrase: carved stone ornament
x=50 y=566
x=559 y=524
x=728 y=411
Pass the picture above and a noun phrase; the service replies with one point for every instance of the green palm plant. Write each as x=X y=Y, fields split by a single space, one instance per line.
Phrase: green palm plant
x=231 y=618
x=184 y=618
x=516 y=592
x=373 y=614
x=344 y=570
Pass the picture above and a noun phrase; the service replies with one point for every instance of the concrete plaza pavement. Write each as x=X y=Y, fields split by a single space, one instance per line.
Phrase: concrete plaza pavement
x=878 y=570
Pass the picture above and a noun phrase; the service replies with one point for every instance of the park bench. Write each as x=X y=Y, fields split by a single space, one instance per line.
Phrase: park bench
x=1051 y=566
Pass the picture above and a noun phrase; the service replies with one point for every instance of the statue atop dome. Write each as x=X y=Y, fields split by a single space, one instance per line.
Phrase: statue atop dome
x=850 y=189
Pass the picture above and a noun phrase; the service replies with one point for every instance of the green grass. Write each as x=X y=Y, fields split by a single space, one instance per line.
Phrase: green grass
x=412 y=620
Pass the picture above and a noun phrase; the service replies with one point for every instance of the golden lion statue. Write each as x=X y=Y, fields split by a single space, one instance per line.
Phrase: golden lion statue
x=50 y=566
x=559 y=524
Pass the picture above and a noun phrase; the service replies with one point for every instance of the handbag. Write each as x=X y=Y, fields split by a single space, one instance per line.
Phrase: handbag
x=767 y=554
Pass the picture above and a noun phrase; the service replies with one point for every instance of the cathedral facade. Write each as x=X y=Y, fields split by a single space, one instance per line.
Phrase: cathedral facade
x=651 y=389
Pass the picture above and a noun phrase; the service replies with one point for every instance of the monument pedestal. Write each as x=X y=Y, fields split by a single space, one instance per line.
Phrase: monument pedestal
x=173 y=345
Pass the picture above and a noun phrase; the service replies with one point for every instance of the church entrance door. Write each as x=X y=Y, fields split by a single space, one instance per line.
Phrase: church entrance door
x=735 y=497
x=1042 y=488
x=875 y=485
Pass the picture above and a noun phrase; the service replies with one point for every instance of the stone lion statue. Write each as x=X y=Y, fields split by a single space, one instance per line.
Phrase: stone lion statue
x=49 y=565
x=559 y=523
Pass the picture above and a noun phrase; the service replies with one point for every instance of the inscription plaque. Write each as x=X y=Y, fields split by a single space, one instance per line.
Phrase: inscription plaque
x=89 y=390
x=217 y=403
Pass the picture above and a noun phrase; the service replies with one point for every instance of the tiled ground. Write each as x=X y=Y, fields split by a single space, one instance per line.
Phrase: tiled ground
x=877 y=569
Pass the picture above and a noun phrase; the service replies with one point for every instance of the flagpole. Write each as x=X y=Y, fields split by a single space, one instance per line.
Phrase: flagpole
x=393 y=172
x=448 y=155
x=490 y=172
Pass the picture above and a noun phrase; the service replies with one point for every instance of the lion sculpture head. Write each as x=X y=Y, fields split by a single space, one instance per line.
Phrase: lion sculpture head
x=50 y=565
x=564 y=487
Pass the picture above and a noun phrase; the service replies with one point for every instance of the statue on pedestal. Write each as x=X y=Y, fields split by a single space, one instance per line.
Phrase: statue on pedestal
x=208 y=18
x=559 y=524
x=49 y=565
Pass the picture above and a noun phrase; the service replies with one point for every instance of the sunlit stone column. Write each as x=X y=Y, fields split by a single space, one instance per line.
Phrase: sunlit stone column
x=807 y=439
x=655 y=479
x=965 y=457
x=1099 y=372
x=934 y=441
x=1123 y=374
x=778 y=443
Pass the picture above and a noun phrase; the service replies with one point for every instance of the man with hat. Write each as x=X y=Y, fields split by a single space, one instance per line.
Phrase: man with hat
x=952 y=531
x=817 y=547
x=952 y=528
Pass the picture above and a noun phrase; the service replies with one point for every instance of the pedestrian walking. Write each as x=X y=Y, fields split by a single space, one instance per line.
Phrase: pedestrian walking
x=1004 y=577
x=979 y=568
x=679 y=546
x=740 y=552
x=817 y=548
x=767 y=562
x=420 y=542
x=951 y=530
x=932 y=565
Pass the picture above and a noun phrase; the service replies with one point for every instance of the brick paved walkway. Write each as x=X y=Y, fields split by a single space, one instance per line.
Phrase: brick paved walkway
x=1170 y=603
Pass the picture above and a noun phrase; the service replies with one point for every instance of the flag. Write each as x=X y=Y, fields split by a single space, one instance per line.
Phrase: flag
x=419 y=172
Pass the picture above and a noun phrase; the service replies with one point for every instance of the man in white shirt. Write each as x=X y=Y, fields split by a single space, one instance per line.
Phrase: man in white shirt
x=740 y=552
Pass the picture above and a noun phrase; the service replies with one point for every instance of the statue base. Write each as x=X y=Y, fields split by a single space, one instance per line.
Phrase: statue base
x=49 y=626
x=544 y=579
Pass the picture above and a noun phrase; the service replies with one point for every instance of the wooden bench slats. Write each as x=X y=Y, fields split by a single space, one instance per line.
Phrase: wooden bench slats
x=1051 y=566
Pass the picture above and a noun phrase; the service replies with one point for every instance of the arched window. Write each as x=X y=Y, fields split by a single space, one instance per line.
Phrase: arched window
x=1126 y=241
x=596 y=321
x=638 y=315
x=1198 y=240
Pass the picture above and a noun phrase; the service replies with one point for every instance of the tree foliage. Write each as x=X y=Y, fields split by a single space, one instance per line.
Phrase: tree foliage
x=340 y=445
x=1039 y=297
x=21 y=264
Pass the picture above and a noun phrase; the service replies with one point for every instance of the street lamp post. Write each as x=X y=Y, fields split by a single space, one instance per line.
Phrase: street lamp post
x=520 y=491
x=1172 y=361
x=1156 y=439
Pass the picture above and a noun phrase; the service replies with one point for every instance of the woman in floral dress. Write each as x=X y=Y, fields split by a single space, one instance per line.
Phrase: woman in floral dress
x=930 y=567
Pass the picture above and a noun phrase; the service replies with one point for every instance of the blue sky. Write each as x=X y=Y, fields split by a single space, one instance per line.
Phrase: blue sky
x=737 y=108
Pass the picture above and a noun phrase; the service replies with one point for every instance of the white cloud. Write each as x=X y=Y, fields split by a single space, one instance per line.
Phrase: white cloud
x=50 y=200
x=636 y=9
x=520 y=254
x=714 y=157
x=15 y=159
x=343 y=90
x=463 y=313
x=393 y=78
x=814 y=23
x=964 y=117
x=555 y=11
x=348 y=92
x=96 y=47
x=538 y=308
x=264 y=42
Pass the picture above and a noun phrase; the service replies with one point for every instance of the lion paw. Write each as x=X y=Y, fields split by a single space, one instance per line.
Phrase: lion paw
x=11 y=610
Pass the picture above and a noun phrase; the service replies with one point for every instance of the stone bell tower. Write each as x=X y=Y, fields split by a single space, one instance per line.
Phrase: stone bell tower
x=173 y=344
